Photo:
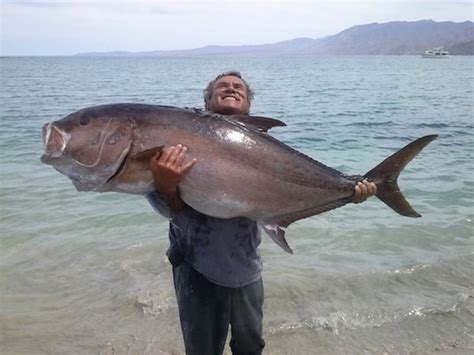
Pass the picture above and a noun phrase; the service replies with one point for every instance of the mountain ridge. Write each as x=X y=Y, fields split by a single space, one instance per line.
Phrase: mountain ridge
x=390 y=38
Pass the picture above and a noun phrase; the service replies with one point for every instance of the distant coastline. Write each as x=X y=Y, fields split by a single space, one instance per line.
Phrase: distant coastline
x=391 y=38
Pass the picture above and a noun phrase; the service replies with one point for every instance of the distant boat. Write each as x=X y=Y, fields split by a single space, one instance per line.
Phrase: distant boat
x=435 y=53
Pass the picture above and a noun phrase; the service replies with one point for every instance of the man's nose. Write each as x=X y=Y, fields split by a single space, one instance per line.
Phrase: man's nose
x=230 y=88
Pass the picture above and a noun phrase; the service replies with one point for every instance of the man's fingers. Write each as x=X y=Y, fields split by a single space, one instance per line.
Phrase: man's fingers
x=186 y=167
x=360 y=193
x=174 y=154
x=180 y=157
x=357 y=194
x=372 y=188
x=166 y=154
x=156 y=156
x=363 y=190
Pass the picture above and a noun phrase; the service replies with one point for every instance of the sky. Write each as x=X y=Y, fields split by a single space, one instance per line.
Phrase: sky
x=67 y=27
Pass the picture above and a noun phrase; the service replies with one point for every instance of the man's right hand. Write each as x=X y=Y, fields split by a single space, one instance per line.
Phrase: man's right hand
x=168 y=169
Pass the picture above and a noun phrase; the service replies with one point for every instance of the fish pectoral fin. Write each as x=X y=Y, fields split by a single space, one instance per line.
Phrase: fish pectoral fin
x=145 y=155
x=262 y=124
x=277 y=233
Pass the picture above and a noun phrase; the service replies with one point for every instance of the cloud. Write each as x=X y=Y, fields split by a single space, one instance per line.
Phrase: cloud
x=126 y=7
x=67 y=27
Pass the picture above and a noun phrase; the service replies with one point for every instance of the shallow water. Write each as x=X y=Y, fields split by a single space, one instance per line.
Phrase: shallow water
x=86 y=272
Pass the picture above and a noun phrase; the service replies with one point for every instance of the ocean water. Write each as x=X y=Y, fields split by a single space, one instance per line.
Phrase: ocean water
x=85 y=273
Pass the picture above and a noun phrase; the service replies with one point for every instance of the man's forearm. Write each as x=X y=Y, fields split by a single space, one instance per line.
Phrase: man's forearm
x=173 y=200
x=167 y=168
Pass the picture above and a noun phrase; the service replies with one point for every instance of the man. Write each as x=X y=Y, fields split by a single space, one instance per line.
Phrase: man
x=216 y=264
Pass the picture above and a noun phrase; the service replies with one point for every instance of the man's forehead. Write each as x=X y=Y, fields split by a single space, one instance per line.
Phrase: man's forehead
x=229 y=79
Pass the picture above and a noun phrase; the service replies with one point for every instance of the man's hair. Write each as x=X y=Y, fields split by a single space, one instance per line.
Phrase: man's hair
x=210 y=87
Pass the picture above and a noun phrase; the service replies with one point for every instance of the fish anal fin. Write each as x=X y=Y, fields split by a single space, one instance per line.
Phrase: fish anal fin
x=262 y=124
x=145 y=155
x=275 y=226
x=286 y=219
x=277 y=233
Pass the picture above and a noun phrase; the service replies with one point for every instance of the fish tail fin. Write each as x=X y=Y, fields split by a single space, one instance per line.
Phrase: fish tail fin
x=385 y=176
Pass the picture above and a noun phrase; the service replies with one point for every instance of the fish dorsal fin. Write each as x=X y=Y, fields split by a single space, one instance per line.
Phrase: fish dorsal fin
x=262 y=124
x=145 y=155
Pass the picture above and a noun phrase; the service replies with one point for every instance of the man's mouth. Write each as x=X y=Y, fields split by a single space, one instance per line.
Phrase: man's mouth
x=230 y=97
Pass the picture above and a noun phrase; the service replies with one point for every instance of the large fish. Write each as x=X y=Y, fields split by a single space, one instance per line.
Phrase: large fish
x=241 y=171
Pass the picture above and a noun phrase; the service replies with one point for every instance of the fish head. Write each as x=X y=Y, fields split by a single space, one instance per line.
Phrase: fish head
x=89 y=146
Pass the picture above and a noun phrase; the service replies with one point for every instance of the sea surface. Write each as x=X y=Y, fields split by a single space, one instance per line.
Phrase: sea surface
x=86 y=273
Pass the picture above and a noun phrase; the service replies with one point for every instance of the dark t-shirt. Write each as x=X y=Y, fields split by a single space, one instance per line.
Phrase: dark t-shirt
x=223 y=250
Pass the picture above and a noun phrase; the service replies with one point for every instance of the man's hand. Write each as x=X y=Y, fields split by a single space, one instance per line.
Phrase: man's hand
x=168 y=169
x=363 y=190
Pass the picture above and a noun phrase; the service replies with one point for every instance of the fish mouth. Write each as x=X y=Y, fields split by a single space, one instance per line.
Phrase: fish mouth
x=54 y=142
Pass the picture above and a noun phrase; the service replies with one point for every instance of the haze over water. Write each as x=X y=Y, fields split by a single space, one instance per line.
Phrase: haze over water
x=86 y=272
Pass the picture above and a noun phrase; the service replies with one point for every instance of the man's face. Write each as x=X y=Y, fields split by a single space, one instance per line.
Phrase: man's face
x=229 y=97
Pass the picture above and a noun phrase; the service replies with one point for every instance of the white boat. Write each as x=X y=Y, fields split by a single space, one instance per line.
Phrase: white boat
x=435 y=53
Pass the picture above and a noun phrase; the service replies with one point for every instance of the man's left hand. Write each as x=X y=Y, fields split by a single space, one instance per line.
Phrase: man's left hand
x=363 y=190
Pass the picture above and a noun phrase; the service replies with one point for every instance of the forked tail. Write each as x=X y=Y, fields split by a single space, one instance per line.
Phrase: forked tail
x=385 y=176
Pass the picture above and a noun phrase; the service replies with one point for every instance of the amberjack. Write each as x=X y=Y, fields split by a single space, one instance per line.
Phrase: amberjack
x=241 y=171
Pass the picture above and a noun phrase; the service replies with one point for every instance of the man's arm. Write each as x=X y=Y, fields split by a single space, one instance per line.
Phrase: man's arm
x=168 y=169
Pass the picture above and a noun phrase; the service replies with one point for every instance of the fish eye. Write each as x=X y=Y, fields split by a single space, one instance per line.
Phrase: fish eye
x=84 y=120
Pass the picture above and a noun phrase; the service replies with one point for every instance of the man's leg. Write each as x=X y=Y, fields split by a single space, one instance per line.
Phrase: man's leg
x=246 y=319
x=204 y=311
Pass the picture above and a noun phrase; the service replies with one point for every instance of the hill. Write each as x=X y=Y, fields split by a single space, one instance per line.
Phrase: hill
x=392 y=38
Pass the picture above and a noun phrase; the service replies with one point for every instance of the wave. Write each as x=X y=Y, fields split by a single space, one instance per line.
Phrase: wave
x=418 y=308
